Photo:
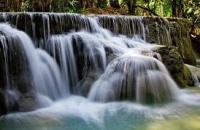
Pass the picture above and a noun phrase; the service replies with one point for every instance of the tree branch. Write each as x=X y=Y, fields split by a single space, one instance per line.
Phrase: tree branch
x=146 y=9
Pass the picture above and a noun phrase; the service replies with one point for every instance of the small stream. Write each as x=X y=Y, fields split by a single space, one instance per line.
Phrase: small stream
x=77 y=113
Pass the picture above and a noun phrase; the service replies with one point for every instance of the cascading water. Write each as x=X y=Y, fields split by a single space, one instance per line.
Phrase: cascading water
x=61 y=49
x=136 y=78
x=195 y=74
x=95 y=65
x=44 y=71
x=11 y=95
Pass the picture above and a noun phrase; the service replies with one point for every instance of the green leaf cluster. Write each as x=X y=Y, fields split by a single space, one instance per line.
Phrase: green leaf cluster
x=166 y=8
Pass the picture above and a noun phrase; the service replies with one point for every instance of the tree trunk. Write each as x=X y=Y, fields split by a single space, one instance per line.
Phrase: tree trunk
x=16 y=5
x=102 y=3
x=131 y=4
x=174 y=6
x=114 y=4
x=91 y=3
x=180 y=8
x=83 y=3
x=54 y=5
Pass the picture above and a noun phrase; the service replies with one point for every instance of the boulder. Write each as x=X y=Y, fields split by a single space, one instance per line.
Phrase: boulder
x=173 y=60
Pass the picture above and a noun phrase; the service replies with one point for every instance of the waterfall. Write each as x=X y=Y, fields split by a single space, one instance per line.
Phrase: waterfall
x=70 y=71
x=61 y=49
x=45 y=72
x=136 y=78
x=11 y=95
x=195 y=74
x=72 y=54
x=40 y=27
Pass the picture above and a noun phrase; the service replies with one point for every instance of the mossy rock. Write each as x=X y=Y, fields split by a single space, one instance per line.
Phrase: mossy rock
x=187 y=76
x=179 y=32
x=172 y=59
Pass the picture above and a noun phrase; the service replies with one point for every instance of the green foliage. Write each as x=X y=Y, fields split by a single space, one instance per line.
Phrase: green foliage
x=25 y=5
x=103 y=5
x=67 y=6
x=192 y=9
x=184 y=8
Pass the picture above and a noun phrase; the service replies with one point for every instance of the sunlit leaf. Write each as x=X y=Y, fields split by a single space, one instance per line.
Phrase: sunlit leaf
x=196 y=12
x=189 y=10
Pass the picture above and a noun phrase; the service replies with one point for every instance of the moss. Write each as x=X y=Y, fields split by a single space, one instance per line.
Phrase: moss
x=187 y=76
x=180 y=38
x=180 y=81
x=172 y=59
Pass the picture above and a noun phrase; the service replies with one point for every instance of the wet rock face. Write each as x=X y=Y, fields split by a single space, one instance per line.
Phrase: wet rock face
x=8 y=102
x=2 y=103
x=155 y=30
x=173 y=60
x=158 y=31
x=181 y=39
x=27 y=102
x=2 y=68
x=196 y=45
